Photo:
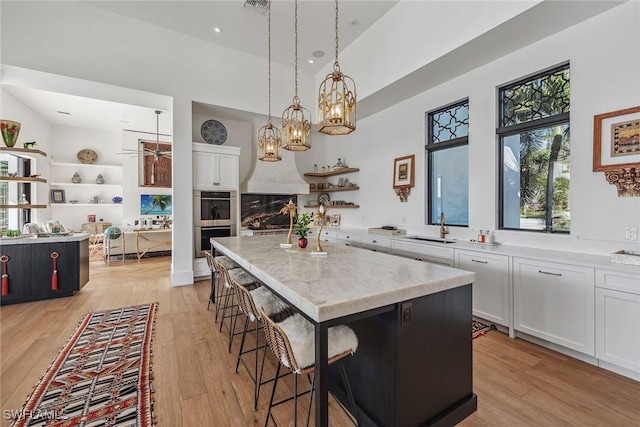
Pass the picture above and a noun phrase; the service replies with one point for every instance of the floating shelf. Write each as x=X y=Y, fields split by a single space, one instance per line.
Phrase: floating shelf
x=23 y=206
x=71 y=184
x=23 y=151
x=335 y=206
x=90 y=165
x=332 y=173
x=93 y=205
x=329 y=190
x=22 y=179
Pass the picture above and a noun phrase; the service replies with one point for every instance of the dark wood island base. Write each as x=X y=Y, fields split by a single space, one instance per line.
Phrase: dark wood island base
x=30 y=267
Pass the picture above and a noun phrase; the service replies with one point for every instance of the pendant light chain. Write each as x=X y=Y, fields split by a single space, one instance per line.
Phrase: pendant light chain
x=295 y=29
x=269 y=56
x=336 y=32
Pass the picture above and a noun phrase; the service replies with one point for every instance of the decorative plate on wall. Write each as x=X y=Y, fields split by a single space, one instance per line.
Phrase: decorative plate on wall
x=87 y=156
x=213 y=132
x=323 y=199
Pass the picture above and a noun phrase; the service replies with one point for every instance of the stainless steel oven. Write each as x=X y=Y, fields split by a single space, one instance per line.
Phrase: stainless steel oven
x=214 y=208
x=203 y=236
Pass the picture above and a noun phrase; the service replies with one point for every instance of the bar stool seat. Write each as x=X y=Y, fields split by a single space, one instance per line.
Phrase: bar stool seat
x=264 y=298
x=292 y=341
x=226 y=262
x=240 y=276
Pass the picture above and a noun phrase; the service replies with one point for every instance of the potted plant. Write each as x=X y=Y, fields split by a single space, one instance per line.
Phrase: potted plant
x=302 y=222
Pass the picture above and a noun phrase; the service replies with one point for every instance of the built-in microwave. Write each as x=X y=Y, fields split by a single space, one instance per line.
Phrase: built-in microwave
x=214 y=208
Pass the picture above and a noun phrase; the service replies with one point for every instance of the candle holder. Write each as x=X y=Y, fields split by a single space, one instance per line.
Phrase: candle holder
x=291 y=209
x=320 y=216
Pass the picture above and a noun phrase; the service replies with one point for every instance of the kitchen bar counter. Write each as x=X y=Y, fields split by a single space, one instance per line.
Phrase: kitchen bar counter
x=412 y=319
x=29 y=267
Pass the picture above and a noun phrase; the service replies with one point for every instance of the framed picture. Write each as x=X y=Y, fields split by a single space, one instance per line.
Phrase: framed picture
x=57 y=196
x=403 y=171
x=616 y=140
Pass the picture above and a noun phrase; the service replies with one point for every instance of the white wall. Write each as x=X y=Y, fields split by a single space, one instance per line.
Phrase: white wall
x=598 y=215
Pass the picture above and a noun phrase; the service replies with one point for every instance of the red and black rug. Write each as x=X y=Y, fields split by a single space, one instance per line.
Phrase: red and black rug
x=102 y=376
x=478 y=329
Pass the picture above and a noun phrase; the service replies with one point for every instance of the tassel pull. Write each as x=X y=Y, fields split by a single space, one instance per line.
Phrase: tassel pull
x=4 y=259
x=54 y=276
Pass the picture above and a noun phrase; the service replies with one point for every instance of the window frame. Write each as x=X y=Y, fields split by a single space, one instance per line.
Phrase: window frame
x=503 y=132
x=431 y=147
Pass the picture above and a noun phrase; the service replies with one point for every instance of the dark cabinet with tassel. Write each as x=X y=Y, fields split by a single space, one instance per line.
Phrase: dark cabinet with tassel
x=33 y=274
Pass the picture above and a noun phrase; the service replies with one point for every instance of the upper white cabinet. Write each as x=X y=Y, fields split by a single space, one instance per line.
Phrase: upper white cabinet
x=215 y=167
x=491 y=288
x=555 y=302
x=618 y=319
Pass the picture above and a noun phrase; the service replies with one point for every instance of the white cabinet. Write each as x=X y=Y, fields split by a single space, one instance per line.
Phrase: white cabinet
x=349 y=239
x=376 y=243
x=436 y=253
x=491 y=294
x=215 y=167
x=555 y=302
x=618 y=319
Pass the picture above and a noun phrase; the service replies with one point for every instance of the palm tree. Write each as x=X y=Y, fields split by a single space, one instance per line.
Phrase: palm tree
x=161 y=201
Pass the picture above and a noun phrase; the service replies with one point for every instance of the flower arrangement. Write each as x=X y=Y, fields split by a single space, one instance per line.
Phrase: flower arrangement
x=302 y=222
x=9 y=130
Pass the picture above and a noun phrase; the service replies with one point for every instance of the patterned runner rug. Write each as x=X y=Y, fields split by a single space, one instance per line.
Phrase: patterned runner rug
x=102 y=376
x=478 y=329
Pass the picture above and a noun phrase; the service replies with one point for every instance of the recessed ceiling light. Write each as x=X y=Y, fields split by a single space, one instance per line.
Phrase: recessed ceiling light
x=311 y=61
x=318 y=54
x=217 y=30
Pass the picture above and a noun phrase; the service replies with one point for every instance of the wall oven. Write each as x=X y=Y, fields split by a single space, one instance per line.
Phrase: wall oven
x=214 y=215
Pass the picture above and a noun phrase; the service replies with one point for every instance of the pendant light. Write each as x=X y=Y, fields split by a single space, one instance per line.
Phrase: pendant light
x=296 y=127
x=269 y=137
x=336 y=100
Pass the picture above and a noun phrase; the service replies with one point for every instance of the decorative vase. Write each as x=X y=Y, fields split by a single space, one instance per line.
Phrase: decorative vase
x=100 y=179
x=10 y=131
x=76 y=178
x=302 y=242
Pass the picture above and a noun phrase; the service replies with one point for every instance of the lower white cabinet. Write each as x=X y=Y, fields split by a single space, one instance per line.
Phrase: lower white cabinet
x=423 y=252
x=376 y=244
x=349 y=239
x=491 y=293
x=618 y=319
x=555 y=302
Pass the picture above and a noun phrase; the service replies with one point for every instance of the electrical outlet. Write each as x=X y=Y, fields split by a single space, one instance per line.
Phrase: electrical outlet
x=631 y=233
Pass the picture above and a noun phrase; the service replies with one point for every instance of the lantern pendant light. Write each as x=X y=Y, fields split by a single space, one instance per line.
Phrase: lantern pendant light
x=337 y=100
x=269 y=137
x=296 y=126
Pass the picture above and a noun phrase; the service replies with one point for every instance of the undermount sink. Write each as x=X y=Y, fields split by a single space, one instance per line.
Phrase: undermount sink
x=431 y=239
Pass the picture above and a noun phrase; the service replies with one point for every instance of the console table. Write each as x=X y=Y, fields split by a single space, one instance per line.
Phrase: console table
x=150 y=235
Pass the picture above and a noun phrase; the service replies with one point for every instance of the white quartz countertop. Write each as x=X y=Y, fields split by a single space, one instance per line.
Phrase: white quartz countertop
x=347 y=281
x=74 y=237
x=567 y=257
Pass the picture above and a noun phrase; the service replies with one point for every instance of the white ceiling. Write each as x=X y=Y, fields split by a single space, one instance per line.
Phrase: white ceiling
x=245 y=30
x=242 y=29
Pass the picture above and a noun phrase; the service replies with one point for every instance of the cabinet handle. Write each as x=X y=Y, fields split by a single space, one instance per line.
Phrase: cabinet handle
x=375 y=241
x=347 y=237
x=549 y=273
x=481 y=262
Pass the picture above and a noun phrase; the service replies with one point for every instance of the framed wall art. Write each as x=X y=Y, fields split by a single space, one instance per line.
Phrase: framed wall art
x=57 y=196
x=403 y=171
x=616 y=140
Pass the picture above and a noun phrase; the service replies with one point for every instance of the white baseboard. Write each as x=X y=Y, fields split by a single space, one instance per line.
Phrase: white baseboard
x=181 y=278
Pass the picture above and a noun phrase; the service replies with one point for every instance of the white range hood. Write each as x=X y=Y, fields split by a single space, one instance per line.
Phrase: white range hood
x=276 y=177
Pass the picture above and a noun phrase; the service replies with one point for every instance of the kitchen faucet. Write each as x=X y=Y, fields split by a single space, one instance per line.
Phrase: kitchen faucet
x=443 y=229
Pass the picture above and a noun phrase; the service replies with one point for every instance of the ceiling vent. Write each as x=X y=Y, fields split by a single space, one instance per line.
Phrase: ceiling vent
x=259 y=6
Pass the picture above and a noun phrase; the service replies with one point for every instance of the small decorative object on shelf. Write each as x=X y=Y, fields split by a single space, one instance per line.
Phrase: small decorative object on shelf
x=315 y=168
x=320 y=216
x=302 y=228
x=23 y=199
x=291 y=209
x=91 y=218
x=76 y=178
x=29 y=145
x=99 y=179
x=87 y=156
x=339 y=165
x=10 y=131
x=117 y=199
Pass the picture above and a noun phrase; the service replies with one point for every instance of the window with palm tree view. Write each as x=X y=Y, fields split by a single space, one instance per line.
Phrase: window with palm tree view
x=535 y=153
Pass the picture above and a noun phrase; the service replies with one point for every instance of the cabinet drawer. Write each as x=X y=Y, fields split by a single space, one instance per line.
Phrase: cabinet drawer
x=349 y=239
x=441 y=254
x=376 y=242
x=625 y=282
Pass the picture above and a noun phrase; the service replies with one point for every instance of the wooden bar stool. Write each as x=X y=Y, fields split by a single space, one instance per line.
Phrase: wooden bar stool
x=215 y=276
x=293 y=343
x=228 y=276
x=248 y=301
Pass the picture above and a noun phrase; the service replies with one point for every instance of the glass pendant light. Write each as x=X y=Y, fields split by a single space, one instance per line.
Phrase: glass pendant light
x=337 y=100
x=296 y=127
x=269 y=137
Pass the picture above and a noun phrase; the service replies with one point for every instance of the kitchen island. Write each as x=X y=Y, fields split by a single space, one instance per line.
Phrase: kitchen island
x=413 y=321
x=28 y=265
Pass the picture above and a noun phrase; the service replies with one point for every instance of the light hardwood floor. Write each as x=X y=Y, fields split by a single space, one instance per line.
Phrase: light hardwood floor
x=517 y=383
